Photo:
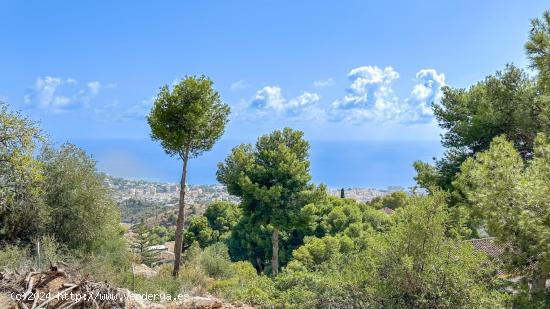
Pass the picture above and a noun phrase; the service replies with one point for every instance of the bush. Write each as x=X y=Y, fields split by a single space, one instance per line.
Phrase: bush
x=163 y=283
x=215 y=262
x=112 y=263
x=246 y=286
x=15 y=258
x=51 y=251
x=317 y=290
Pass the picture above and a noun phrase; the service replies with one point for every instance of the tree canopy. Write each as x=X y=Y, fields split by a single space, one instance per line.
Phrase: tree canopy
x=188 y=118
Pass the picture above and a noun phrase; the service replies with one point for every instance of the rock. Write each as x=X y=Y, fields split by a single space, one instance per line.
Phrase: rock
x=144 y=271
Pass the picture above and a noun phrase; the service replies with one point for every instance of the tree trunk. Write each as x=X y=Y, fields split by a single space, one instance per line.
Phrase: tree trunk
x=538 y=281
x=259 y=265
x=275 y=252
x=178 y=246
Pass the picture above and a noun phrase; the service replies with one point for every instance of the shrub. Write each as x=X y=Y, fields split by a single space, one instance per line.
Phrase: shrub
x=246 y=286
x=215 y=262
x=51 y=251
x=317 y=290
x=15 y=258
x=163 y=283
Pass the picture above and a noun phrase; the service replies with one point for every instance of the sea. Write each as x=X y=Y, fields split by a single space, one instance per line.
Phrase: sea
x=338 y=164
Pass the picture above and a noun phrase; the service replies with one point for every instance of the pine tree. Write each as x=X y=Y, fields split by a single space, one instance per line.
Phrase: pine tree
x=141 y=245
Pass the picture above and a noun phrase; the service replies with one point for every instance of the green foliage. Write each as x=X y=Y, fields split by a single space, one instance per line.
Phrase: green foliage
x=143 y=240
x=268 y=178
x=204 y=270
x=21 y=178
x=250 y=241
x=163 y=283
x=52 y=252
x=161 y=234
x=215 y=225
x=321 y=216
x=300 y=289
x=393 y=200
x=410 y=264
x=330 y=215
x=200 y=231
x=187 y=121
x=83 y=214
x=189 y=118
x=246 y=286
x=222 y=217
x=318 y=252
x=352 y=218
x=215 y=262
x=415 y=265
x=15 y=257
x=427 y=176
x=503 y=104
x=341 y=217
x=512 y=200
x=538 y=49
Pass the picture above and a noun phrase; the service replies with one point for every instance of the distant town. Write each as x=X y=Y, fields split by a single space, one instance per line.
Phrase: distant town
x=166 y=194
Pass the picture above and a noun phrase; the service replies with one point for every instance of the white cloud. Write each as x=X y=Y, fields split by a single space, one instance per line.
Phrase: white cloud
x=270 y=99
x=238 y=85
x=370 y=97
x=369 y=85
x=94 y=87
x=60 y=95
x=426 y=92
x=303 y=100
x=323 y=83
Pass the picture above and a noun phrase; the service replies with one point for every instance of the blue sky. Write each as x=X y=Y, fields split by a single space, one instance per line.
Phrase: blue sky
x=361 y=72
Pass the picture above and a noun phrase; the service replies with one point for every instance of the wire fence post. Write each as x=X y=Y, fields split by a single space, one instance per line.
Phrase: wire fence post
x=133 y=278
x=38 y=254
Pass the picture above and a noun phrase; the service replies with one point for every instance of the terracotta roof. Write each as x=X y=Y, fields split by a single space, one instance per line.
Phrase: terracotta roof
x=492 y=248
x=488 y=245
x=495 y=250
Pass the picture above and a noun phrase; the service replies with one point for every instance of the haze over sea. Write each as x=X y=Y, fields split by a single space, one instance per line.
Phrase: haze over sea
x=373 y=164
